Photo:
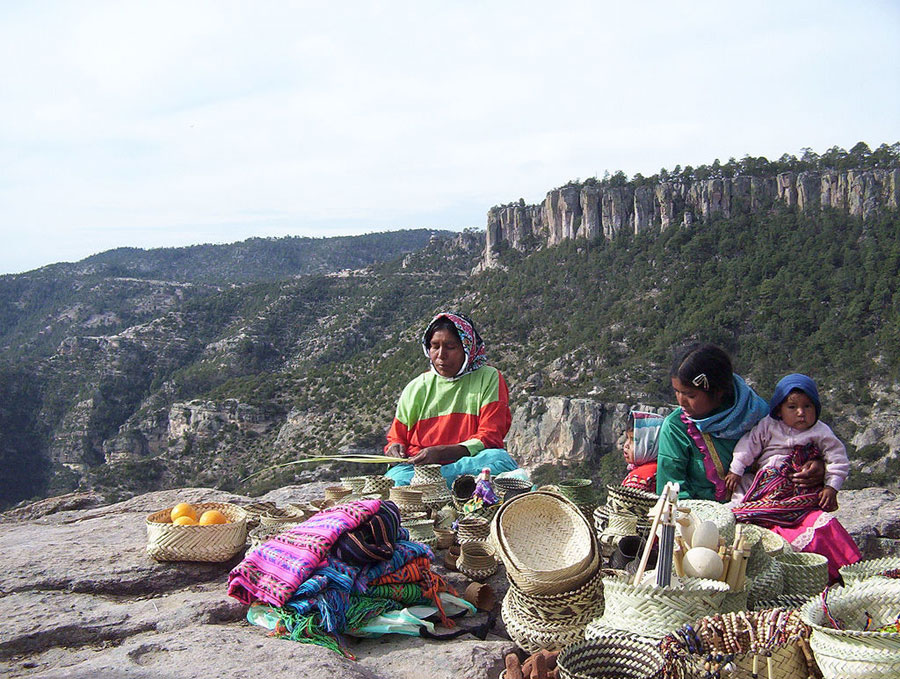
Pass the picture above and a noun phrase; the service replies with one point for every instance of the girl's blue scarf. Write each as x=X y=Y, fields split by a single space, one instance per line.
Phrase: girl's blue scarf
x=748 y=409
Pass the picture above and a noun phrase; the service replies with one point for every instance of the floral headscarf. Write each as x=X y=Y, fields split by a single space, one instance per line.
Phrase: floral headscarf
x=473 y=345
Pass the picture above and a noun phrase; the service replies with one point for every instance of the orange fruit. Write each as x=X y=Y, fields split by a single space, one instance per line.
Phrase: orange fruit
x=211 y=517
x=183 y=509
x=185 y=521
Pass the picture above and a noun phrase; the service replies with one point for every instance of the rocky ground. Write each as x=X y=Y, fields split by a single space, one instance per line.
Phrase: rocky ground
x=79 y=597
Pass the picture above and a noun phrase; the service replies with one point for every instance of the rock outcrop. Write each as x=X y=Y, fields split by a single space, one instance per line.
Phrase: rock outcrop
x=80 y=598
x=588 y=210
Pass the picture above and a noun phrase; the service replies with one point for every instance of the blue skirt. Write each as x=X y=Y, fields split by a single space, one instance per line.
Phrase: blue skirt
x=495 y=459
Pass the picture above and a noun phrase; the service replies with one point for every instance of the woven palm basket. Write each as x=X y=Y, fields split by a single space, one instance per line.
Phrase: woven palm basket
x=711 y=654
x=426 y=474
x=611 y=656
x=219 y=542
x=766 y=585
x=337 y=493
x=861 y=570
x=805 y=573
x=546 y=544
x=851 y=653
x=719 y=514
x=472 y=529
x=477 y=560
x=533 y=635
x=354 y=483
x=377 y=484
x=463 y=489
x=655 y=611
x=509 y=487
x=624 y=499
x=583 y=603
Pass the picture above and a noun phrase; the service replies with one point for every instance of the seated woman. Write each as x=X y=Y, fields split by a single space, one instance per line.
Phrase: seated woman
x=697 y=440
x=456 y=414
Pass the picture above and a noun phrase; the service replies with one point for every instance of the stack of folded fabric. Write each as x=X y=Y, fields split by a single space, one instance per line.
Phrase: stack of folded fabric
x=331 y=574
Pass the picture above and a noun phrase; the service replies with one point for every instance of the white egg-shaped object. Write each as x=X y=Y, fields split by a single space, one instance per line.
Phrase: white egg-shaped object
x=706 y=535
x=702 y=562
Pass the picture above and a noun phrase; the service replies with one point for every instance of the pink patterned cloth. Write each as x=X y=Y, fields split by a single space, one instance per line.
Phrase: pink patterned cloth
x=821 y=533
x=272 y=572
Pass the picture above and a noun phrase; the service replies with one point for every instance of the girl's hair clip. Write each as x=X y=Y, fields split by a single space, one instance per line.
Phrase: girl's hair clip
x=701 y=381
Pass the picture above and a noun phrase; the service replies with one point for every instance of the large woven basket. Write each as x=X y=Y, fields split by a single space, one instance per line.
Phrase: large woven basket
x=533 y=635
x=805 y=573
x=862 y=570
x=655 y=611
x=710 y=653
x=546 y=544
x=851 y=653
x=583 y=603
x=615 y=655
x=219 y=542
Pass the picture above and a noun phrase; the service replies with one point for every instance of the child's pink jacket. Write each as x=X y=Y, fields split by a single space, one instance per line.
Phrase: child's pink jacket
x=770 y=442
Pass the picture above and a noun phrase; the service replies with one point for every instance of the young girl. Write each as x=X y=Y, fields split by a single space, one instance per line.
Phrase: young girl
x=640 y=450
x=788 y=436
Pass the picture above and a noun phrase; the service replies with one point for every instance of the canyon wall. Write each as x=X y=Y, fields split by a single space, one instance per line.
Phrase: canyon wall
x=590 y=210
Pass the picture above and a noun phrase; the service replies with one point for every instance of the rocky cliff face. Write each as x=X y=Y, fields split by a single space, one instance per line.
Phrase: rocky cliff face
x=590 y=210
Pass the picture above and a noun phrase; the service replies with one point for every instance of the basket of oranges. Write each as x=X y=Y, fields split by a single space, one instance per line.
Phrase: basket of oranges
x=208 y=531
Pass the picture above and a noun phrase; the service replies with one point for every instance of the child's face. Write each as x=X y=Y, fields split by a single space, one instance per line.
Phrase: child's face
x=798 y=411
x=628 y=447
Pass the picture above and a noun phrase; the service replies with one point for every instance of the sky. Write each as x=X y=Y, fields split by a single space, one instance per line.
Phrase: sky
x=164 y=124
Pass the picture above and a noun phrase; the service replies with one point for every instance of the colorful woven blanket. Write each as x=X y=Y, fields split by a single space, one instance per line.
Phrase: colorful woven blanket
x=773 y=498
x=272 y=572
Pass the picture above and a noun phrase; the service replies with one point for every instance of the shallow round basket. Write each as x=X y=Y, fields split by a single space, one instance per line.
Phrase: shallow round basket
x=655 y=611
x=719 y=514
x=218 y=542
x=862 y=570
x=544 y=538
x=851 y=652
x=805 y=573
x=420 y=530
x=584 y=602
x=337 y=493
x=612 y=656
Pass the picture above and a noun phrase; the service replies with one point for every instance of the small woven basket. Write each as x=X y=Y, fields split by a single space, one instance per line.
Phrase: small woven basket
x=766 y=585
x=852 y=653
x=377 y=484
x=477 y=560
x=862 y=570
x=427 y=474
x=214 y=543
x=445 y=537
x=805 y=573
x=509 y=487
x=354 y=483
x=625 y=499
x=336 y=493
x=611 y=656
x=463 y=489
x=655 y=611
x=472 y=529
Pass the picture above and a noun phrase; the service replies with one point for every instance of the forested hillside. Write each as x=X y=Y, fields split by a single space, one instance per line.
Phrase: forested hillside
x=128 y=385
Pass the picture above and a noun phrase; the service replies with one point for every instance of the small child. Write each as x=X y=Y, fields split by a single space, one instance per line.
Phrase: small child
x=640 y=448
x=788 y=436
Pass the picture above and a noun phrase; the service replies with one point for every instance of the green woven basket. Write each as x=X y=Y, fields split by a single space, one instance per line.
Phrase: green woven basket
x=861 y=570
x=805 y=573
x=852 y=653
